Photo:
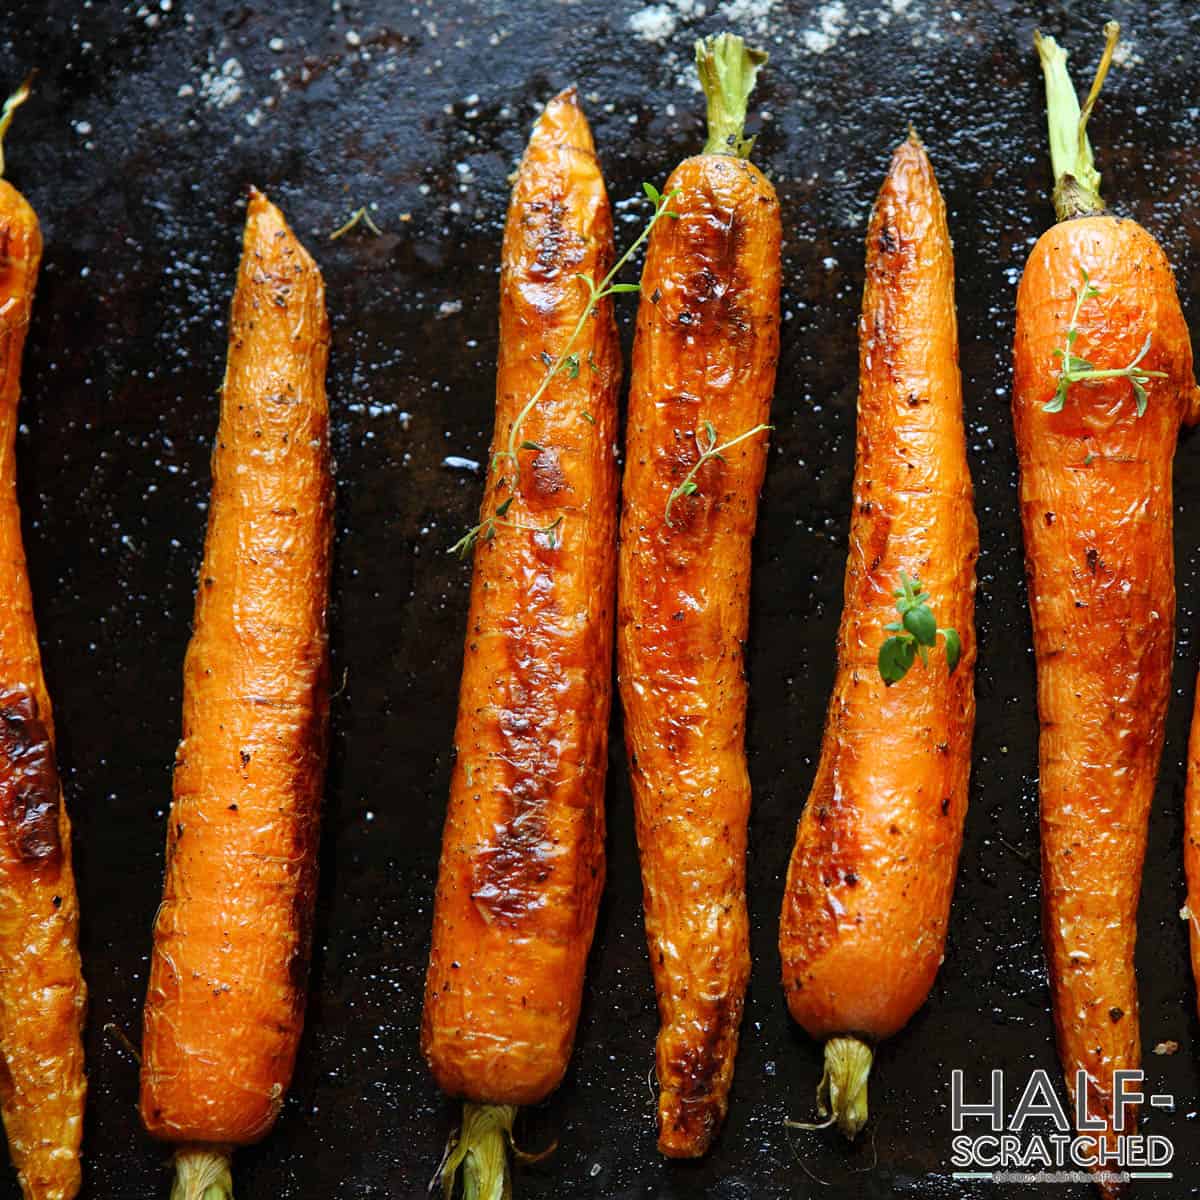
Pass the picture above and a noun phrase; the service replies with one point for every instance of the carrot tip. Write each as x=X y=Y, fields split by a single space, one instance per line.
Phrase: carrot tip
x=203 y=1172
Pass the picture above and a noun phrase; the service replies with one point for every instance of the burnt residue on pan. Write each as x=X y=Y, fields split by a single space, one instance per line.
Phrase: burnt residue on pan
x=148 y=122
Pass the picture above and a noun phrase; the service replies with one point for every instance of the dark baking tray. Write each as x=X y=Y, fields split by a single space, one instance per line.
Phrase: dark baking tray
x=148 y=123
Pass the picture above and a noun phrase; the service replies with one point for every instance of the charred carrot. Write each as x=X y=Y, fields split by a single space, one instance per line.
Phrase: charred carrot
x=228 y=973
x=872 y=871
x=703 y=375
x=522 y=863
x=42 y=994
x=1102 y=381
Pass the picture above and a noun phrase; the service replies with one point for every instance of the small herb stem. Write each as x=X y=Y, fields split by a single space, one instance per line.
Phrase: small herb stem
x=1110 y=373
x=566 y=359
x=1079 y=370
x=359 y=215
x=596 y=294
x=689 y=487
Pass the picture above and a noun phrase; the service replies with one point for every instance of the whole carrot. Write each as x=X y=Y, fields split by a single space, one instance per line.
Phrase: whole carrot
x=522 y=863
x=225 y=1003
x=869 y=885
x=703 y=376
x=1102 y=380
x=42 y=993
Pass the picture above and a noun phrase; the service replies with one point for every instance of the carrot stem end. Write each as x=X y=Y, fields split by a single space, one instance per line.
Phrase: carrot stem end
x=9 y=111
x=203 y=1172
x=478 y=1152
x=727 y=68
x=1076 y=180
x=842 y=1092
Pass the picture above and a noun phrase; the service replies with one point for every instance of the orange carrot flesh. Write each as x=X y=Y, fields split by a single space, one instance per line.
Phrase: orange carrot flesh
x=225 y=1002
x=868 y=892
x=522 y=863
x=706 y=349
x=1096 y=510
x=42 y=993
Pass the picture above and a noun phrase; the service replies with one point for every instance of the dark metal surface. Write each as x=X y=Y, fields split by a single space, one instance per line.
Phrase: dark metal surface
x=148 y=123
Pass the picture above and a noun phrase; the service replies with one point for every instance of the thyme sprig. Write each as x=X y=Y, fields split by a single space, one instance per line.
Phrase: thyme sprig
x=1078 y=370
x=486 y=529
x=708 y=451
x=914 y=634
x=566 y=363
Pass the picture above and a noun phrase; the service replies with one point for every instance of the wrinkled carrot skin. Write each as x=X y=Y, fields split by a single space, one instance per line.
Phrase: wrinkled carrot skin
x=522 y=863
x=1096 y=509
x=228 y=974
x=42 y=993
x=872 y=871
x=706 y=349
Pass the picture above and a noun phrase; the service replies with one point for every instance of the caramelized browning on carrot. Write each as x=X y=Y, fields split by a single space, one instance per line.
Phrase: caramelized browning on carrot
x=225 y=1003
x=872 y=872
x=1096 y=510
x=523 y=850
x=42 y=994
x=705 y=352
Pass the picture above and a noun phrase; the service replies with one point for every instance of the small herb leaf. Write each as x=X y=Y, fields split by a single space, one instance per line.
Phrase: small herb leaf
x=921 y=623
x=953 y=648
x=895 y=659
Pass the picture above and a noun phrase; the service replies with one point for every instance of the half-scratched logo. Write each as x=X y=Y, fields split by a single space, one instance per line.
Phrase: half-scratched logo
x=1038 y=1143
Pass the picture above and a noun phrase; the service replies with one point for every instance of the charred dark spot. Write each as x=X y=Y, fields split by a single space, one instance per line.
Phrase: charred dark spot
x=547 y=474
x=1093 y=559
x=551 y=238
x=945 y=805
x=943 y=747
x=1116 y=1014
x=245 y=757
x=30 y=793
x=850 y=879
x=888 y=241
x=57 y=902
x=655 y=296
x=1049 y=518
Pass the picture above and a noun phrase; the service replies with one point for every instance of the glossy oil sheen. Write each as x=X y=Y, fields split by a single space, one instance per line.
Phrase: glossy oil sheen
x=42 y=993
x=232 y=937
x=863 y=927
x=142 y=220
x=1096 y=507
x=706 y=349
x=522 y=864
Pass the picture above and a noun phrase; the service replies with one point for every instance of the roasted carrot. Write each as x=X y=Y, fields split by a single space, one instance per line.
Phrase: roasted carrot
x=522 y=863
x=868 y=889
x=1102 y=381
x=228 y=974
x=704 y=361
x=42 y=994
